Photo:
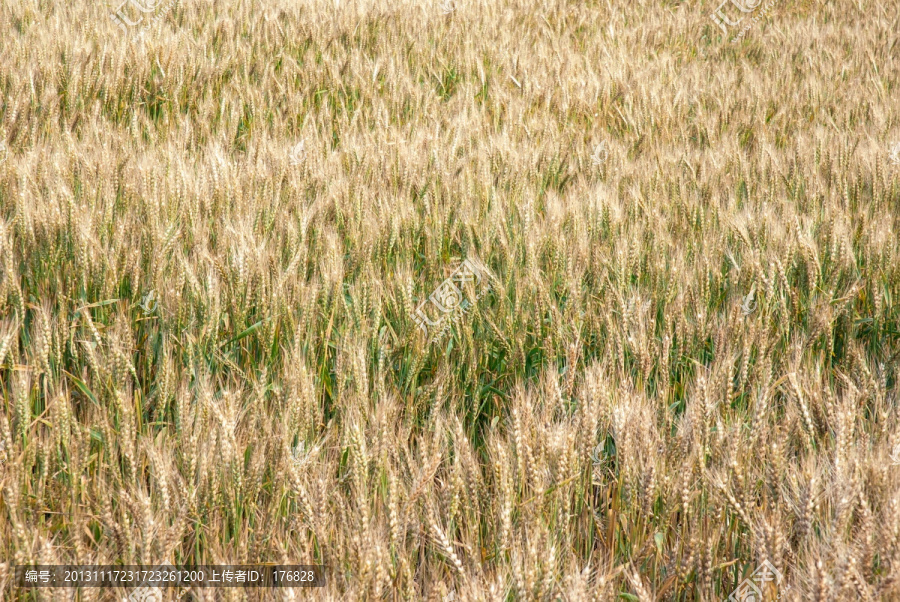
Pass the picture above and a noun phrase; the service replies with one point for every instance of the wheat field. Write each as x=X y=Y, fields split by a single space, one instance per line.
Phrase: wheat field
x=216 y=234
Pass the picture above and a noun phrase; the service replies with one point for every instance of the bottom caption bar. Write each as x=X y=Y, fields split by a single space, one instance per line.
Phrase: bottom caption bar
x=236 y=575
